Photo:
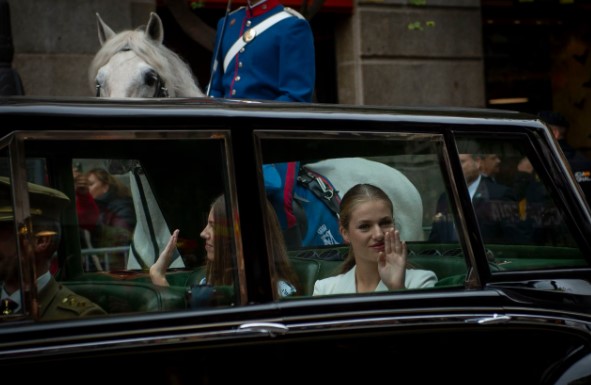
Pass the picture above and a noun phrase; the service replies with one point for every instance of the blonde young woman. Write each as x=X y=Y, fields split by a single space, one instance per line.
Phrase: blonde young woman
x=376 y=260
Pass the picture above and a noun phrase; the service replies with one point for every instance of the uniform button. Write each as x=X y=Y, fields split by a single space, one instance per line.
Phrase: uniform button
x=237 y=78
x=242 y=50
x=248 y=23
x=239 y=64
x=233 y=92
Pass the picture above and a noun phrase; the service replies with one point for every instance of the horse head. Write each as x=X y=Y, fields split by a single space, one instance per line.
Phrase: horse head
x=135 y=63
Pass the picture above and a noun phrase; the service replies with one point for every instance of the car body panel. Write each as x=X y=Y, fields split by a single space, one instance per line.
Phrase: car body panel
x=515 y=312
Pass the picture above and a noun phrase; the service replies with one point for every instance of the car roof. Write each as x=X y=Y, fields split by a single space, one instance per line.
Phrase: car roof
x=88 y=106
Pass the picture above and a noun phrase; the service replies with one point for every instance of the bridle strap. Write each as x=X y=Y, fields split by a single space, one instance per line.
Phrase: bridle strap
x=160 y=92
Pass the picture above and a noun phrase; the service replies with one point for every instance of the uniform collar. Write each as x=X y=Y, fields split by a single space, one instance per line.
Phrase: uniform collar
x=262 y=7
x=16 y=297
x=42 y=282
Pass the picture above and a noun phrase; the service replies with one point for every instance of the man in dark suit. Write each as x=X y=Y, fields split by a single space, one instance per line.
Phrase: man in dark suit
x=495 y=206
x=560 y=126
x=54 y=301
x=580 y=164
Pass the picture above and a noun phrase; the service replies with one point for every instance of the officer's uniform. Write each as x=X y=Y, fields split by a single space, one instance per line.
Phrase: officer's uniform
x=56 y=302
x=276 y=64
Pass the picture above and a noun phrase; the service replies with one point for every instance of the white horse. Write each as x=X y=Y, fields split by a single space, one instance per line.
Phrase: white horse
x=137 y=64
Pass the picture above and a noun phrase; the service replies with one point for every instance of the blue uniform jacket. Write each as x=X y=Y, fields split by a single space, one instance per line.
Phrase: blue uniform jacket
x=318 y=227
x=277 y=64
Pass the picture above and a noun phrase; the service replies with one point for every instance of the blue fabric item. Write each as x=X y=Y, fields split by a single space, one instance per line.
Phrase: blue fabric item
x=272 y=179
x=323 y=224
x=278 y=64
x=276 y=177
x=322 y=227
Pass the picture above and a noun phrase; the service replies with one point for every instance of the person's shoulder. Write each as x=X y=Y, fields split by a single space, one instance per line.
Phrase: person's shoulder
x=506 y=192
x=327 y=285
x=80 y=305
x=295 y=13
x=297 y=21
x=75 y=303
x=294 y=24
x=338 y=284
x=237 y=11
x=570 y=152
x=67 y=304
x=496 y=189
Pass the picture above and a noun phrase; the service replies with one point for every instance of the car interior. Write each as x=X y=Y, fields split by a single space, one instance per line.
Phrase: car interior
x=174 y=176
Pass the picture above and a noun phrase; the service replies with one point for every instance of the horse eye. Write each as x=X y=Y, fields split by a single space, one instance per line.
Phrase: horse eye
x=151 y=78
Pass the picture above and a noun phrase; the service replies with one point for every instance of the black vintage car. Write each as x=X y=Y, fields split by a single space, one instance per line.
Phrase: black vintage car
x=513 y=307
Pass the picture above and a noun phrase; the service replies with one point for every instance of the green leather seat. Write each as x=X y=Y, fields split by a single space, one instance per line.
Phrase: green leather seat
x=117 y=297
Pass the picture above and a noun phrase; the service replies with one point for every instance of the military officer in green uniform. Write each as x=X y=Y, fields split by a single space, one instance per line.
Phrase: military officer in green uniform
x=54 y=301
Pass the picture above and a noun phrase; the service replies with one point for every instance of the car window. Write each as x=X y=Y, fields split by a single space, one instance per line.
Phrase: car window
x=521 y=224
x=304 y=173
x=520 y=216
x=111 y=235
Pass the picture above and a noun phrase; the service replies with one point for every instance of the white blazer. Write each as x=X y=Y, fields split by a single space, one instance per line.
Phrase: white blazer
x=345 y=283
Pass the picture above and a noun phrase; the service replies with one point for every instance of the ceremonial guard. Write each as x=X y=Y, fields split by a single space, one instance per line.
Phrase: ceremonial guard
x=263 y=51
x=54 y=300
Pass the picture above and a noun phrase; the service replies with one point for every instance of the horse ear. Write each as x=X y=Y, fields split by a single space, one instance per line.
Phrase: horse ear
x=154 y=29
x=104 y=32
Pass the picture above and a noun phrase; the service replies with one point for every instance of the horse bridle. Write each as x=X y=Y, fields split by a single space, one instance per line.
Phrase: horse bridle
x=160 y=92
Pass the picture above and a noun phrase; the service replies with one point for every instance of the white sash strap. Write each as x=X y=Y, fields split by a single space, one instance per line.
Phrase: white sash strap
x=251 y=34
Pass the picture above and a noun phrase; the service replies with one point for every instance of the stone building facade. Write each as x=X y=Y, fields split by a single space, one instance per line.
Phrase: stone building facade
x=380 y=58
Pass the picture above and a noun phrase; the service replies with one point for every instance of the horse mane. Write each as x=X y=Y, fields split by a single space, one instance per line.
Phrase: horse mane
x=173 y=70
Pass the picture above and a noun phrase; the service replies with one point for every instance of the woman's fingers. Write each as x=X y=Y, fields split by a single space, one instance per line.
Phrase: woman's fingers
x=392 y=242
x=173 y=239
x=394 y=247
x=158 y=269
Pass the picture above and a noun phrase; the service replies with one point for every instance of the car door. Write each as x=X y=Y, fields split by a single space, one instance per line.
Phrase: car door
x=173 y=177
x=491 y=306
